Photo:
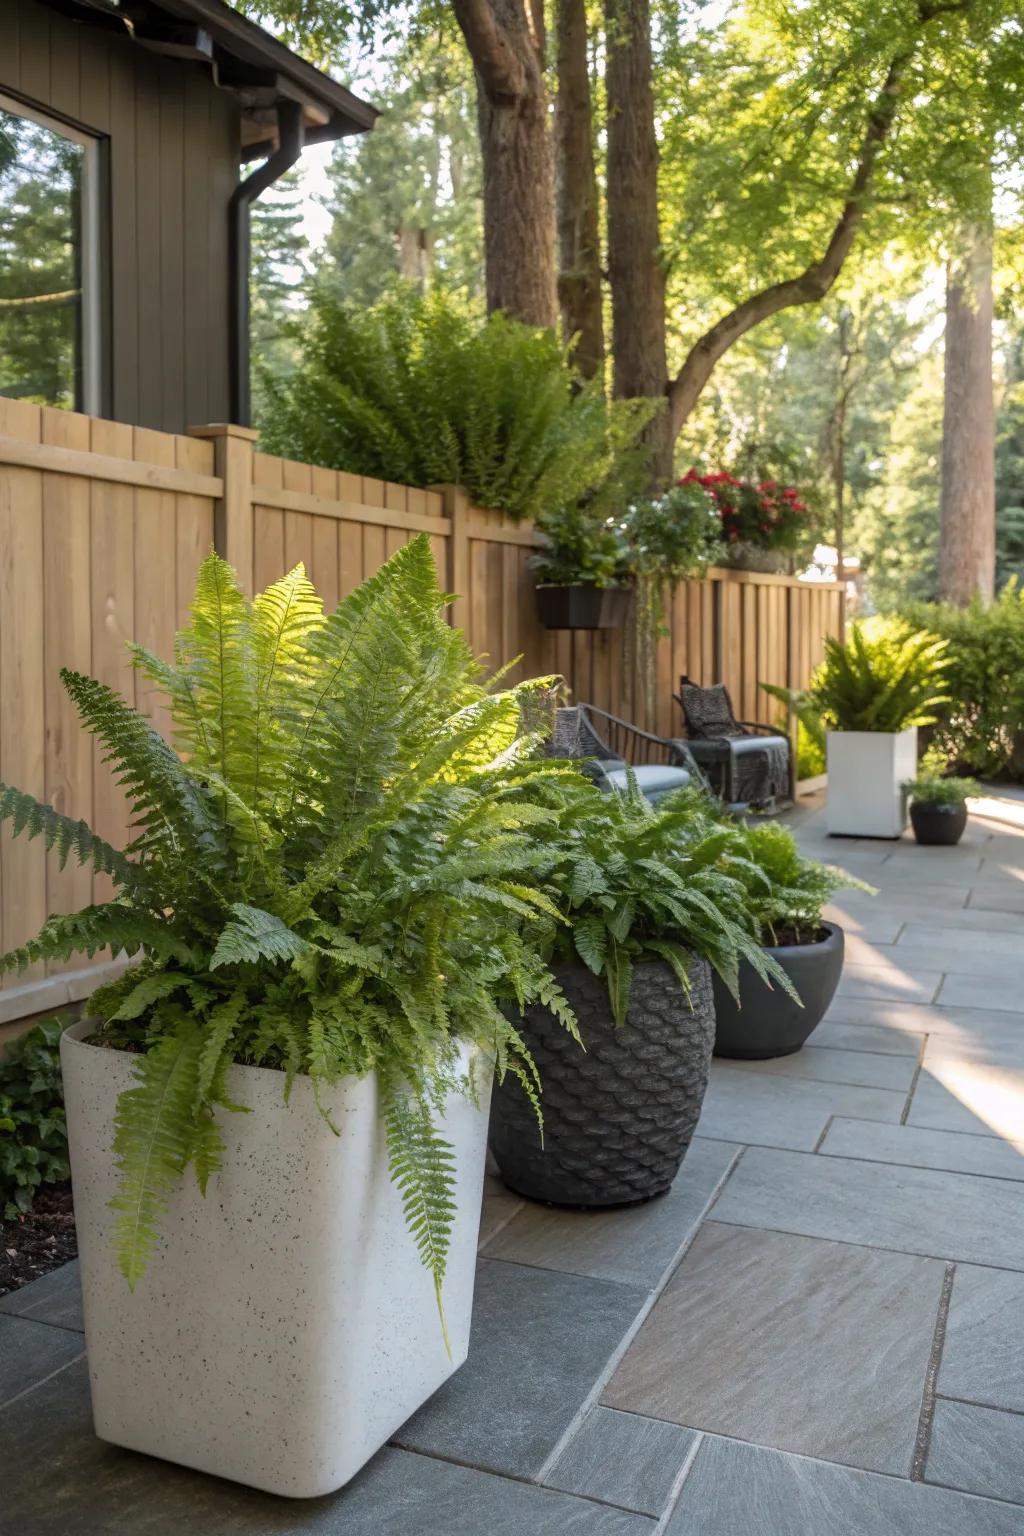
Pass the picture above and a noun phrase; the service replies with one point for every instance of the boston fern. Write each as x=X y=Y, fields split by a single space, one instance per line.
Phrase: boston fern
x=785 y=891
x=334 y=872
x=638 y=882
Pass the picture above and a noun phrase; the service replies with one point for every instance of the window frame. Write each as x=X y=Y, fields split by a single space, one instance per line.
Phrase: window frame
x=89 y=374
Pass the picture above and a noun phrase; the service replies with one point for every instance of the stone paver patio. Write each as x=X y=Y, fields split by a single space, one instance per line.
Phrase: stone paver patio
x=818 y=1332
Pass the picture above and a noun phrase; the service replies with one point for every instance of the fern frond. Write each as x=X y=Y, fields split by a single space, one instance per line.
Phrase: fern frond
x=422 y=1167
x=255 y=935
x=219 y=1027
x=115 y=923
x=29 y=815
x=154 y=1131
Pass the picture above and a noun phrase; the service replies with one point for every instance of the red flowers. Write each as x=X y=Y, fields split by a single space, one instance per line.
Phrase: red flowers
x=754 y=513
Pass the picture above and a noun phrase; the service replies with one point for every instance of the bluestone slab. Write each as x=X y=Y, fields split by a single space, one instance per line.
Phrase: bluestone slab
x=983 y=940
x=623 y=1459
x=746 y=1490
x=978 y=1449
x=54 y=1298
x=888 y=983
x=634 y=1245
x=992 y=991
x=499 y=1206
x=31 y=1351
x=819 y=1063
x=914 y=1148
x=937 y=1107
x=911 y=1210
x=540 y=1341
x=983 y=1355
x=763 y=1109
x=59 y=1480
x=918 y=1018
x=869 y=1037
x=803 y=1345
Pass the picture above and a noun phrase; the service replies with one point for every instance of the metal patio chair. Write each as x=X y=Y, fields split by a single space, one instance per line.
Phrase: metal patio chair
x=745 y=761
x=610 y=747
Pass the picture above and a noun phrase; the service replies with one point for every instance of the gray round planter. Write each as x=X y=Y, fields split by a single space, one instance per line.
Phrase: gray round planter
x=619 y=1116
x=767 y=1022
x=937 y=826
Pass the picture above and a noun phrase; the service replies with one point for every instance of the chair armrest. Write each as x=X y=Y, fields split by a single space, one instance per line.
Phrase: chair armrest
x=759 y=725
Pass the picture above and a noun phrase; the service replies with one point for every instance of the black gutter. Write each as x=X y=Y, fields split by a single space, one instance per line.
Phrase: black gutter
x=291 y=137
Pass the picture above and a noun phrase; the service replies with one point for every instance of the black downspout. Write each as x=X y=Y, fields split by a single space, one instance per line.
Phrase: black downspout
x=291 y=135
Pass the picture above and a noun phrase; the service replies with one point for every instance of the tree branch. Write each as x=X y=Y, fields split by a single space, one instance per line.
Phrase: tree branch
x=813 y=283
x=494 y=58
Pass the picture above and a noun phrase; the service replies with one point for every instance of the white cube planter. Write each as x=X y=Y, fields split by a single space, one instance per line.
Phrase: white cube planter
x=866 y=770
x=285 y=1327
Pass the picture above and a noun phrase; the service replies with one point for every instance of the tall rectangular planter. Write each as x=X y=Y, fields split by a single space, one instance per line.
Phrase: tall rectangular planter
x=866 y=770
x=285 y=1327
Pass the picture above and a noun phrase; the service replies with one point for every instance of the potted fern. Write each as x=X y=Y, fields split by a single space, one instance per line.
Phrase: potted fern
x=786 y=893
x=650 y=912
x=333 y=879
x=872 y=694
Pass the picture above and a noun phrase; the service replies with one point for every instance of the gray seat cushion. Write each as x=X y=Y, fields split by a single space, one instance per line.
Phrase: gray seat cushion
x=654 y=780
x=742 y=744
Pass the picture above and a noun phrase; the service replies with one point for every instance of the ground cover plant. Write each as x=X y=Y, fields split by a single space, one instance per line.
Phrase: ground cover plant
x=335 y=871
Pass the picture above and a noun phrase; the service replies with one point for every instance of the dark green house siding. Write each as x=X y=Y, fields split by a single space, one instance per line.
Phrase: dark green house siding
x=172 y=156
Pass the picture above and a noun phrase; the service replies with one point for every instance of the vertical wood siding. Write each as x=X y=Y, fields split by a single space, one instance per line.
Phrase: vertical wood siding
x=172 y=146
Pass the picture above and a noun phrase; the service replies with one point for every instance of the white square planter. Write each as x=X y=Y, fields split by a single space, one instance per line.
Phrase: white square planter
x=285 y=1327
x=865 y=772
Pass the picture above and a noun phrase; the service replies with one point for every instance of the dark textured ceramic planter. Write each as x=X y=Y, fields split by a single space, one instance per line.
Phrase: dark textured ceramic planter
x=583 y=607
x=937 y=825
x=619 y=1116
x=767 y=1022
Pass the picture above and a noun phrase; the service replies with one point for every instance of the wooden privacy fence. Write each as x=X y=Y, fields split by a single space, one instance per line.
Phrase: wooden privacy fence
x=102 y=528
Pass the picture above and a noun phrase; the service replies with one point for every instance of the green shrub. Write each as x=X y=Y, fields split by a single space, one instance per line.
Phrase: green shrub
x=336 y=873
x=420 y=391
x=981 y=726
x=33 y=1136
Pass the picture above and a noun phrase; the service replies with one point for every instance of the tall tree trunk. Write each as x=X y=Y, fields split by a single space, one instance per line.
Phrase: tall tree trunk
x=579 y=243
x=506 y=42
x=967 y=523
x=634 y=245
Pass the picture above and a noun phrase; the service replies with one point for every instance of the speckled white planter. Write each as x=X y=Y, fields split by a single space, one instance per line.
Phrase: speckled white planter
x=866 y=770
x=285 y=1327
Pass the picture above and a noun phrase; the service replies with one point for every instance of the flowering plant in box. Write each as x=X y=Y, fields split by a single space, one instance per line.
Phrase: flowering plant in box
x=761 y=514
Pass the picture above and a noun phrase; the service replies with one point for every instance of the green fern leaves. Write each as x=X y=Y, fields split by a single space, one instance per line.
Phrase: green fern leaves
x=423 y=1170
x=26 y=815
x=339 y=868
x=154 y=1140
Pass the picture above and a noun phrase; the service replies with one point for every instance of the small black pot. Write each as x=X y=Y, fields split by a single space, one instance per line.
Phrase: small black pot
x=937 y=824
x=767 y=1022
x=619 y=1116
x=583 y=607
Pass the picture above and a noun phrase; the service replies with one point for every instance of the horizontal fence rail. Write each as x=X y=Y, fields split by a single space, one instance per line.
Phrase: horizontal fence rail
x=102 y=529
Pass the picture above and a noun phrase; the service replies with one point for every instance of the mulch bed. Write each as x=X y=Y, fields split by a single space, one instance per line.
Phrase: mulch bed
x=33 y=1245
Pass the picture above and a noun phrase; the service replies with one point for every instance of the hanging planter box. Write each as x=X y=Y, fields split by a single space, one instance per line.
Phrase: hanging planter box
x=866 y=772
x=284 y=1327
x=583 y=607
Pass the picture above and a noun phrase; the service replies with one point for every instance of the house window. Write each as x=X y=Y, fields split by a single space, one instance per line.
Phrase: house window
x=49 y=288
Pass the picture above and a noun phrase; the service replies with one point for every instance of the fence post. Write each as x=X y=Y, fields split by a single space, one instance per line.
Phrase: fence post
x=233 y=533
x=456 y=510
x=793 y=679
